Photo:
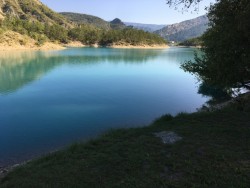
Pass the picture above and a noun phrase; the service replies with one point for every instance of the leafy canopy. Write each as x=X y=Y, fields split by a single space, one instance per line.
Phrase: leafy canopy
x=184 y=4
x=226 y=59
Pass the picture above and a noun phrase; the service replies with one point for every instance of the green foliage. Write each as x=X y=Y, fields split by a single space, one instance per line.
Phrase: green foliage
x=22 y=26
x=86 y=34
x=41 y=39
x=56 y=33
x=91 y=35
x=32 y=18
x=130 y=36
x=36 y=30
x=192 y=42
x=217 y=94
x=1 y=31
x=186 y=4
x=110 y=37
x=36 y=11
x=226 y=59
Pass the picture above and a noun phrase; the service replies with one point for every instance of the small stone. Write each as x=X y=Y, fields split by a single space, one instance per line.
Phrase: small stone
x=168 y=137
x=3 y=171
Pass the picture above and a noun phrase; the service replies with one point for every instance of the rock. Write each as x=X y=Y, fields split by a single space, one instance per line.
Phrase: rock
x=168 y=137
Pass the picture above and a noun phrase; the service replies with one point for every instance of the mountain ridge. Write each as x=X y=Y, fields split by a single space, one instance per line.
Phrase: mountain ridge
x=184 y=30
x=117 y=24
x=146 y=27
x=81 y=18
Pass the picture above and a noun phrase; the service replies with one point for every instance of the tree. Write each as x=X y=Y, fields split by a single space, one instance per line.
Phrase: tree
x=56 y=32
x=185 y=4
x=226 y=46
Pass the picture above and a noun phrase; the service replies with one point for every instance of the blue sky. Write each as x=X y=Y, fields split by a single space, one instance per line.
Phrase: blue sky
x=140 y=11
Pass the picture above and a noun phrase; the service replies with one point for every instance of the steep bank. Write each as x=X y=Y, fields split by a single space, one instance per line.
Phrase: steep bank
x=10 y=40
x=211 y=150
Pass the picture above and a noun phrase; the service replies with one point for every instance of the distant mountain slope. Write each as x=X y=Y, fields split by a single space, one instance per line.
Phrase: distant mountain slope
x=117 y=24
x=184 y=30
x=31 y=10
x=145 y=27
x=86 y=19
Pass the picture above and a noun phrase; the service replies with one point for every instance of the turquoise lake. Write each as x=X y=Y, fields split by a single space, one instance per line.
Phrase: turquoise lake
x=51 y=99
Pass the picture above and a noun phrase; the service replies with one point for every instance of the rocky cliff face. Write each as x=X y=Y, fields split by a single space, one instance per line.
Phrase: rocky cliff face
x=31 y=10
x=184 y=30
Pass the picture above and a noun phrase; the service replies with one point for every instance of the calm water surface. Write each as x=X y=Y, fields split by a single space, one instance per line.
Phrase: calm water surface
x=51 y=99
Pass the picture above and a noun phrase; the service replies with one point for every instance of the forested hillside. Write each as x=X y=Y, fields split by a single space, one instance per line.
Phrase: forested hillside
x=191 y=42
x=32 y=10
x=35 y=21
x=86 y=19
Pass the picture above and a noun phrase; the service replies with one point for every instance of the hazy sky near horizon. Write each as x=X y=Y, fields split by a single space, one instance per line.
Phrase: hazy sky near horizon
x=140 y=11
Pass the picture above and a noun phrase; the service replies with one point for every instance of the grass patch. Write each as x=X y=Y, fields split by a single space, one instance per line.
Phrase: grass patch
x=214 y=152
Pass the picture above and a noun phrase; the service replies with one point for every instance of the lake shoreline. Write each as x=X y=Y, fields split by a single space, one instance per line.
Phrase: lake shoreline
x=199 y=47
x=46 y=47
x=49 y=46
x=198 y=132
x=5 y=169
x=139 y=46
x=29 y=69
x=154 y=63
